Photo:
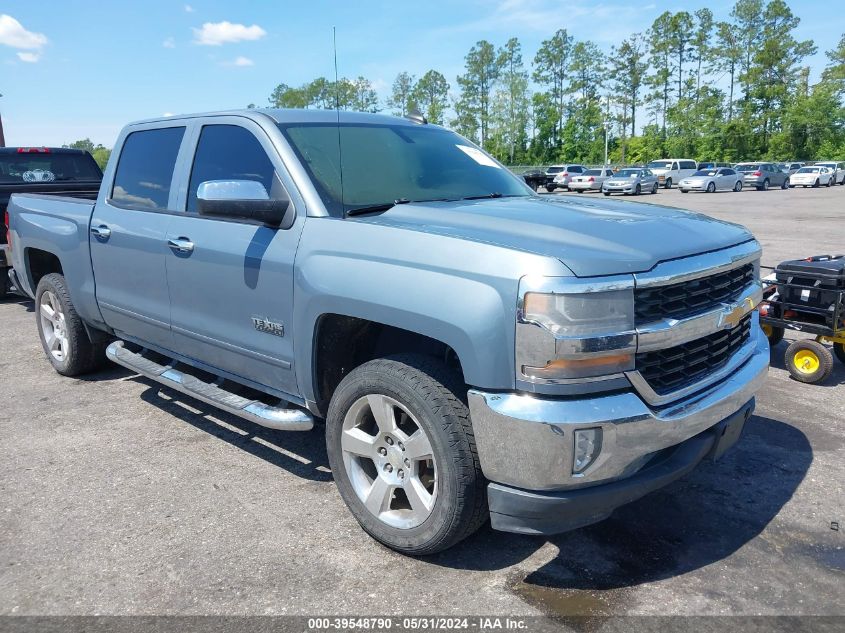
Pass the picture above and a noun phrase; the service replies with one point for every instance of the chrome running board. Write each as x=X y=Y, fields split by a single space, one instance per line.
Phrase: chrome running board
x=252 y=410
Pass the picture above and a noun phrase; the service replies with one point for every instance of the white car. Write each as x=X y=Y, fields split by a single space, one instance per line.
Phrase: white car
x=812 y=176
x=564 y=174
x=671 y=171
x=838 y=169
x=710 y=180
x=590 y=179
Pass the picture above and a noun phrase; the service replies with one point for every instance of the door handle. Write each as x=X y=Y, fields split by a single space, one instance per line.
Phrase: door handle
x=181 y=245
x=102 y=232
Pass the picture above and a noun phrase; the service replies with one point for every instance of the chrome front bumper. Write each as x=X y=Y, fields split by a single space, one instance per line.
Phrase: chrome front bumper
x=528 y=441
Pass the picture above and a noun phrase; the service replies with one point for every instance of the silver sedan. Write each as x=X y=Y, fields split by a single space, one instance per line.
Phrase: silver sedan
x=630 y=180
x=710 y=180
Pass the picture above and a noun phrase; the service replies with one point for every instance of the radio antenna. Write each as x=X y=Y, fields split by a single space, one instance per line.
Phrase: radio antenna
x=337 y=112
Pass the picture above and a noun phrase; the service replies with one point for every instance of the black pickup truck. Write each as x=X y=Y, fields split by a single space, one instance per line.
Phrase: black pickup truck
x=47 y=170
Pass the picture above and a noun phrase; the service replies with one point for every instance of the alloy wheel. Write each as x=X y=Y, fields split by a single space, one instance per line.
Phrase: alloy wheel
x=389 y=461
x=53 y=325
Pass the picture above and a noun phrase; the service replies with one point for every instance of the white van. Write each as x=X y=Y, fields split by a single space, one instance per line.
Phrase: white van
x=670 y=171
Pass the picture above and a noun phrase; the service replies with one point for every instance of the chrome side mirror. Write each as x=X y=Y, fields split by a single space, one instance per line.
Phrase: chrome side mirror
x=243 y=199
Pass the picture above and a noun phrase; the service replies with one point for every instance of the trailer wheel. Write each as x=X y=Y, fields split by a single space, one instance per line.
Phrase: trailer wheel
x=809 y=361
x=774 y=334
x=839 y=351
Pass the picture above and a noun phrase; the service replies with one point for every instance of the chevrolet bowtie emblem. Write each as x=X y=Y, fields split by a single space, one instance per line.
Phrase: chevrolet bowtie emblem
x=732 y=317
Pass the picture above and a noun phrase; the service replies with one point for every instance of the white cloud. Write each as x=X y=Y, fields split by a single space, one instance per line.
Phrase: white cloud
x=13 y=34
x=29 y=58
x=167 y=114
x=217 y=33
x=169 y=43
x=189 y=9
x=240 y=61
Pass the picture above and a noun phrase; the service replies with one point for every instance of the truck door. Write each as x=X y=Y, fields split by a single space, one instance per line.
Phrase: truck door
x=128 y=229
x=231 y=285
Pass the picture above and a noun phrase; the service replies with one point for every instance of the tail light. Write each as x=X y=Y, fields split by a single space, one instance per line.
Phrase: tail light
x=757 y=173
x=33 y=150
x=592 y=179
x=565 y=174
x=8 y=230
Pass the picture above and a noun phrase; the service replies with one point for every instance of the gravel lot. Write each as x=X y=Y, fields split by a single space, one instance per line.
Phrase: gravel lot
x=120 y=498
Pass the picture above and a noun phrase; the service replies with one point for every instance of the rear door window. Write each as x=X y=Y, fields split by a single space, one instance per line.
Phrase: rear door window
x=145 y=170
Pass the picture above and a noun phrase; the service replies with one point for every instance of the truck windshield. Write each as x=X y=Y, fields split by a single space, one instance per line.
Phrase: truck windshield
x=47 y=167
x=383 y=164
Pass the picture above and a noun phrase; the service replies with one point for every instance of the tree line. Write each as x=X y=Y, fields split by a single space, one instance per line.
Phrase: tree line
x=688 y=86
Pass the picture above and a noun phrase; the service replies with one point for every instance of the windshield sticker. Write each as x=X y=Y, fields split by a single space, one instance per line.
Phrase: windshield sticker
x=38 y=175
x=478 y=156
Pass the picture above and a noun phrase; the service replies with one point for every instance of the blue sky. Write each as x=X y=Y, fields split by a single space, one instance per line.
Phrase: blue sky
x=74 y=69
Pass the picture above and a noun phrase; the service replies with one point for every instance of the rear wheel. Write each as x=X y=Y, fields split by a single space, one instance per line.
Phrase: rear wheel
x=711 y=187
x=738 y=185
x=638 y=190
x=61 y=331
x=765 y=185
x=668 y=184
x=402 y=450
x=550 y=188
x=809 y=361
x=654 y=188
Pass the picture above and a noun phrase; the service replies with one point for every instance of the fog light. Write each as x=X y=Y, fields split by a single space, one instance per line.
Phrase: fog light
x=587 y=448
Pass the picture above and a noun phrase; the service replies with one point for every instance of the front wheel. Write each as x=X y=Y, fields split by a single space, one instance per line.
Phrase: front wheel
x=816 y=184
x=711 y=187
x=654 y=188
x=738 y=186
x=61 y=331
x=765 y=186
x=638 y=190
x=402 y=450
x=668 y=184
x=785 y=185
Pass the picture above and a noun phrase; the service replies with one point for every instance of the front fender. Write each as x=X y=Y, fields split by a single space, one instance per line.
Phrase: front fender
x=459 y=292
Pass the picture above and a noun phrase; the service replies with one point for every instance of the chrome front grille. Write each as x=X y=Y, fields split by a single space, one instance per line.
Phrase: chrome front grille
x=688 y=298
x=672 y=369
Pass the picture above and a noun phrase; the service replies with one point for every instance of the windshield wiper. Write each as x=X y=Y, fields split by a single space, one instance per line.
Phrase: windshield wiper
x=495 y=194
x=375 y=208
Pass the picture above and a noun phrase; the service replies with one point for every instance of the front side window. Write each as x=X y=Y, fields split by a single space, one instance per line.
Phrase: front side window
x=145 y=169
x=358 y=165
x=230 y=152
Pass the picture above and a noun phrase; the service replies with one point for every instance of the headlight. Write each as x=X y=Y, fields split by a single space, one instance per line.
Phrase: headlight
x=575 y=335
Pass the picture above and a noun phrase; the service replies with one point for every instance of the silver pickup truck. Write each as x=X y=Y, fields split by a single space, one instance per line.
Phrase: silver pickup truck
x=472 y=350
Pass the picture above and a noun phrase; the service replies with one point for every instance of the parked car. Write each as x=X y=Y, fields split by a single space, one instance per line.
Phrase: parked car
x=476 y=350
x=789 y=168
x=590 y=179
x=838 y=169
x=671 y=171
x=710 y=180
x=631 y=180
x=712 y=165
x=562 y=178
x=534 y=178
x=50 y=170
x=763 y=175
x=812 y=176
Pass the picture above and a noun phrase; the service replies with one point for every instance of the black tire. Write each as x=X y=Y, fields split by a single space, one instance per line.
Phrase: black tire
x=829 y=180
x=5 y=285
x=638 y=190
x=817 y=370
x=82 y=356
x=765 y=186
x=684 y=190
x=668 y=184
x=435 y=395
x=738 y=186
x=579 y=191
x=550 y=188
x=711 y=187
x=816 y=184
x=839 y=351
x=607 y=193
x=654 y=188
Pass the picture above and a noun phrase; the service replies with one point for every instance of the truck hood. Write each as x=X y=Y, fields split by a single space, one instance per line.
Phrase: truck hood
x=591 y=237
